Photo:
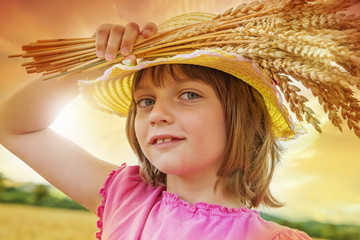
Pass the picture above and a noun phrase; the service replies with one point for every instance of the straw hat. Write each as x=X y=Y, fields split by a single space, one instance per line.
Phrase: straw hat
x=273 y=45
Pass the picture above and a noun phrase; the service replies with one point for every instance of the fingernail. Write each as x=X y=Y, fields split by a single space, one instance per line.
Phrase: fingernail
x=110 y=57
x=100 y=54
x=127 y=62
x=125 y=51
x=146 y=33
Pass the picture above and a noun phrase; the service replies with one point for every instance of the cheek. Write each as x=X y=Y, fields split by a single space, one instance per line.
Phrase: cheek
x=209 y=128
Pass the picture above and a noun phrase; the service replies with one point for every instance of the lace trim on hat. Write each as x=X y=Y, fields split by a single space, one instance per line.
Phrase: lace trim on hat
x=204 y=208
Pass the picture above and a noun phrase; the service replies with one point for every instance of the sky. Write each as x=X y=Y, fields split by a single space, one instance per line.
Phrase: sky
x=318 y=177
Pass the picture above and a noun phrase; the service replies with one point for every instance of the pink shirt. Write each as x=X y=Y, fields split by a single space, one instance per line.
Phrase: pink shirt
x=132 y=209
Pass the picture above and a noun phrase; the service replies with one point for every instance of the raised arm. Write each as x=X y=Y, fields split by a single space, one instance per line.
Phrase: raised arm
x=26 y=116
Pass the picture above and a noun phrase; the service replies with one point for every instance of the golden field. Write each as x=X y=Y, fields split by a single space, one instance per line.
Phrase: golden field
x=21 y=222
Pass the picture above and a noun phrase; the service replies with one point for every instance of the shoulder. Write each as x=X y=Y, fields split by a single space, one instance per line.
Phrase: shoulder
x=293 y=234
x=123 y=178
x=123 y=171
x=125 y=186
x=271 y=230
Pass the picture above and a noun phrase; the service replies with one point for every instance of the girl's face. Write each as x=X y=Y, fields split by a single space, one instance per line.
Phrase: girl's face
x=180 y=125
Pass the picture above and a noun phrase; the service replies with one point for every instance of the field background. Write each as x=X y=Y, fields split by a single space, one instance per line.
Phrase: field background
x=318 y=179
x=21 y=222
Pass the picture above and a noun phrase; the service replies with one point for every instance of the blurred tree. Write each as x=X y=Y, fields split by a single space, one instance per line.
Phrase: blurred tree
x=41 y=192
x=330 y=231
x=2 y=184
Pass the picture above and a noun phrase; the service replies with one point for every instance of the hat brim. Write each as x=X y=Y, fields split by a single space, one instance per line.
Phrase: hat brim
x=112 y=92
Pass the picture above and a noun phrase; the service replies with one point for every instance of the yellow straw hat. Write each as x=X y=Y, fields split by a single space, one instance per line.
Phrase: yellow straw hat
x=112 y=91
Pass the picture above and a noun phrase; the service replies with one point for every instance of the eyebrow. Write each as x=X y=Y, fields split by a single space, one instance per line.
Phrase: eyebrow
x=178 y=80
x=141 y=88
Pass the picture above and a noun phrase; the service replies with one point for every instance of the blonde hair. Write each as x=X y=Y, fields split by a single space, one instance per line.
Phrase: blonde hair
x=252 y=150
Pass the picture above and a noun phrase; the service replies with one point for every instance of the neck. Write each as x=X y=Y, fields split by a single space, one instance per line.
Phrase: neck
x=194 y=189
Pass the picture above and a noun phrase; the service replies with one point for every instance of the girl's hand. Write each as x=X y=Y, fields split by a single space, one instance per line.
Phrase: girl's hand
x=110 y=38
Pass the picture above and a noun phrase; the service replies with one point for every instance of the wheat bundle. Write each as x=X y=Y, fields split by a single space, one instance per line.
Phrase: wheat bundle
x=310 y=41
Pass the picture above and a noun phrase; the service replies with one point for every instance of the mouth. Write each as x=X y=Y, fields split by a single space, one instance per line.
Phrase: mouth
x=158 y=140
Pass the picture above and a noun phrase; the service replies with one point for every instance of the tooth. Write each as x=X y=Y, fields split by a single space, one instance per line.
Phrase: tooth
x=159 y=141
x=167 y=140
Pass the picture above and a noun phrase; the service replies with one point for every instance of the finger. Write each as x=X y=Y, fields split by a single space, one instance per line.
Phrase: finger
x=102 y=35
x=114 y=41
x=130 y=34
x=149 y=29
x=129 y=60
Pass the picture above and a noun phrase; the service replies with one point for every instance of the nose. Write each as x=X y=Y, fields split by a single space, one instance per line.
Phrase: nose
x=161 y=113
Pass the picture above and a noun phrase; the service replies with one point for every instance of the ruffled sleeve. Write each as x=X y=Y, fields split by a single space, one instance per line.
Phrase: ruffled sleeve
x=103 y=194
x=126 y=200
x=292 y=234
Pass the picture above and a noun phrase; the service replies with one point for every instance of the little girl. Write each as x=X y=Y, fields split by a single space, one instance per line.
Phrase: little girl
x=206 y=143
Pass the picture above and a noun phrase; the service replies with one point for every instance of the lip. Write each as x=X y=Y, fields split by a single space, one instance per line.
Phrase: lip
x=174 y=139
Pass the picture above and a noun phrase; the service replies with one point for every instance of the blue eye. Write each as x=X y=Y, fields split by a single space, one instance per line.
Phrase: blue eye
x=189 y=95
x=145 y=102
